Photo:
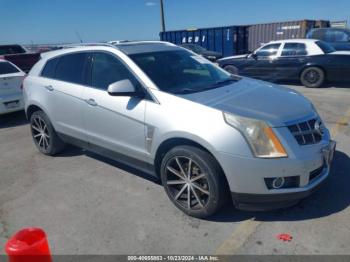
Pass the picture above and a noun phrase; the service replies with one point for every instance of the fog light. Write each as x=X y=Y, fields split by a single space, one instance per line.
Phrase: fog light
x=278 y=182
x=282 y=182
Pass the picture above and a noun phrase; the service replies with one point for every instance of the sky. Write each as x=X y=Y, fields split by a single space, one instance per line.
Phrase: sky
x=61 y=21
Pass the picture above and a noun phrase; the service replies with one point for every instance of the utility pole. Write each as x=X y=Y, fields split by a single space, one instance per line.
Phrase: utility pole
x=162 y=15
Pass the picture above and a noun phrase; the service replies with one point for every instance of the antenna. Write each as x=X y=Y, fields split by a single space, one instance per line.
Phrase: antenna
x=79 y=37
x=162 y=15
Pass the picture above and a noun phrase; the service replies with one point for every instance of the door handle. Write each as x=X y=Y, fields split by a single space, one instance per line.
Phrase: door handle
x=91 y=102
x=49 y=87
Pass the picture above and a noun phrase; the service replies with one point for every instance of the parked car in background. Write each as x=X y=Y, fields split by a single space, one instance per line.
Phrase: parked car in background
x=210 y=55
x=11 y=78
x=311 y=61
x=339 y=38
x=19 y=56
x=205 y=133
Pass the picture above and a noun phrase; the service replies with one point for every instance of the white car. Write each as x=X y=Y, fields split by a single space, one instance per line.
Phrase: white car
x=11 y=78
x=203 y=132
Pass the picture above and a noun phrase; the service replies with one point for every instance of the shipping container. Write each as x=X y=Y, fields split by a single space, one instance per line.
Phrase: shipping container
x=263 y=33
x=236 y=40
x=228 y=40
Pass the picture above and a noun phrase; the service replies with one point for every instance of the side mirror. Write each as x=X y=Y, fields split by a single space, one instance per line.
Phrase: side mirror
x=123 y=88
x=254 y=56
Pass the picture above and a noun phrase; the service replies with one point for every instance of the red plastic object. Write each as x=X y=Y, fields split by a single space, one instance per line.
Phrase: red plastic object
x=28 y=245
x=285 y=237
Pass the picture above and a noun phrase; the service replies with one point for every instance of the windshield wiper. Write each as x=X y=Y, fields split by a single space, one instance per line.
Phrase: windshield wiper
x=186 y=91
x=223 y=82
x=213 y=86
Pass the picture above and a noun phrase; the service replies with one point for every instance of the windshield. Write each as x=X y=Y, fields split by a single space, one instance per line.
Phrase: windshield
x=326 y=48
x=181 y=72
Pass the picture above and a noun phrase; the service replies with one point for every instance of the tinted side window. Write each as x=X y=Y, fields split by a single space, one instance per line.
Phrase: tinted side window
x=11 y=49
x=340 y=36
x=50 y=68
x=268 y=50
x=316 y=34
x=336 y=36
x=70 y=68
x=326 y=48
x=294 y=49
x=107 y=69
x=7 y=68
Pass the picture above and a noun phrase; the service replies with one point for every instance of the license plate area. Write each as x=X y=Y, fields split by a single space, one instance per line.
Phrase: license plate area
x=12 y=104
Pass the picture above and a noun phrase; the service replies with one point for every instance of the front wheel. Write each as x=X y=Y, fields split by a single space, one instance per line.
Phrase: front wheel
x=313 y=77
x=193 y=181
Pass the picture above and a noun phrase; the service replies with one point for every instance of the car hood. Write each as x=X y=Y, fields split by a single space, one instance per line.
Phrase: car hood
x=340 y=53
x=212 y=53
x=256 y=99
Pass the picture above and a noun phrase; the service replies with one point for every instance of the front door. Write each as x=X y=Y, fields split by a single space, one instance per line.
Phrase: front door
x=261 y=64
x=115 y=123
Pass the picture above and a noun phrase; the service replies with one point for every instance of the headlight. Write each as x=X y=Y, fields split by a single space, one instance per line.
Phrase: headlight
x=263 y=141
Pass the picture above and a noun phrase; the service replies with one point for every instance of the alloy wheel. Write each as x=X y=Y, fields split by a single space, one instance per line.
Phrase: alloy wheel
x=40 y=133
x=312 y=76
x=186 y=183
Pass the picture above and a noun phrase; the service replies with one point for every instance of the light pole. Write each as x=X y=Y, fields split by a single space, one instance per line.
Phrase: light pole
x=162 y=15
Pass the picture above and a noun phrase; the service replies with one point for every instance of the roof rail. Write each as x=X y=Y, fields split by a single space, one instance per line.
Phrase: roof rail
x=87 y=44
x=143 y=42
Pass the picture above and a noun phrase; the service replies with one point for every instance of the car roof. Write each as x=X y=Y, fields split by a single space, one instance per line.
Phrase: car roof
x=131 y=48
x=331 y=29
x=127 y=48
x=294 y=41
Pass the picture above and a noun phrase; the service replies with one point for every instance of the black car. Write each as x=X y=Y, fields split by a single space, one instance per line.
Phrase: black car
x=339 y=38
x=210 y=55
x=308 y=60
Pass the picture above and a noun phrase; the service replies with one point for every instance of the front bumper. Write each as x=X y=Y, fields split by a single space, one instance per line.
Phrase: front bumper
x=265 y=202
x=246 y=177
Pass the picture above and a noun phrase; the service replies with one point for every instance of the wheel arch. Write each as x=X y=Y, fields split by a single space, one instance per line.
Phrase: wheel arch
x=314 y=65
x=170 y=143
x=31 y=109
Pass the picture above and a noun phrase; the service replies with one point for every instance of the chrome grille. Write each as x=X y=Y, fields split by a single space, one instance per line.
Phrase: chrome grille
x=305 y=132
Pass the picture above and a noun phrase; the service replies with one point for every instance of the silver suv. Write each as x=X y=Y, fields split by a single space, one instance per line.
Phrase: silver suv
x=205 y=133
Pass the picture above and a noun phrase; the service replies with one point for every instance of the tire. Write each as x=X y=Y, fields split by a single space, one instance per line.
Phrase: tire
x=312 y=77
x=208 y=187
x=231 y=69
x=44 y=135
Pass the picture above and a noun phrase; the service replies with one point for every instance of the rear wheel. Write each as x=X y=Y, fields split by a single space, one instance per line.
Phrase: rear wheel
x=313 y=77
x=231 y=69
x=44 y=135
x=193 y=181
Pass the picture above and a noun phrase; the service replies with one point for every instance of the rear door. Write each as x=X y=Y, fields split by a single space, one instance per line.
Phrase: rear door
x=63 y=79
x=292 y=59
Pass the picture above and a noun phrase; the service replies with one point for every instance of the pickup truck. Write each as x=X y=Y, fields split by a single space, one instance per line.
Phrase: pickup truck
x=19 y=56
x=339 y=38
